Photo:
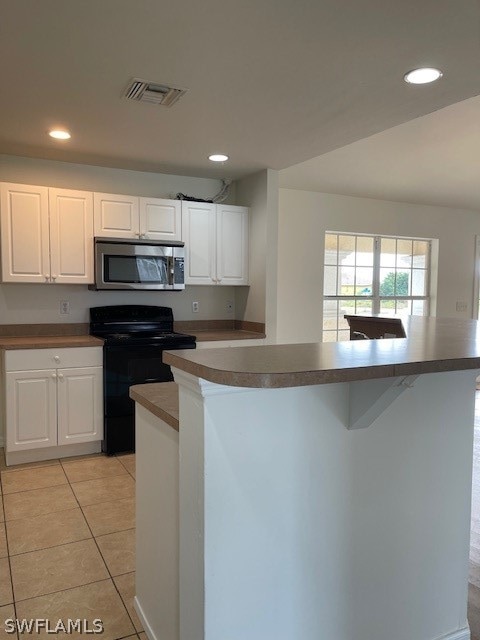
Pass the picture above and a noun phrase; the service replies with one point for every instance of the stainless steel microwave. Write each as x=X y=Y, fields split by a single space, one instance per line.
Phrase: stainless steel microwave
x=138 y=264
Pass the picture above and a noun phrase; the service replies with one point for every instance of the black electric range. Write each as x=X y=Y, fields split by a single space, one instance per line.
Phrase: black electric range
x=135 y=337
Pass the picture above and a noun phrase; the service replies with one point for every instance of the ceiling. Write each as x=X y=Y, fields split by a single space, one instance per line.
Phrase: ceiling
x=272 y=83
x=434 y=160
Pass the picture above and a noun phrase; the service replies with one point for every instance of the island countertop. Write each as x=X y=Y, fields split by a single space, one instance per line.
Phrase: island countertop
x=432 y=345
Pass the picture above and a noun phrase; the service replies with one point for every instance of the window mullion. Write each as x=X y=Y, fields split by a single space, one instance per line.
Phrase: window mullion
x=376 y=276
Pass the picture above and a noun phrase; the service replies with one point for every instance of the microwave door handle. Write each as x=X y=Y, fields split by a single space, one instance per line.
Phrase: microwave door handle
x=171 y=270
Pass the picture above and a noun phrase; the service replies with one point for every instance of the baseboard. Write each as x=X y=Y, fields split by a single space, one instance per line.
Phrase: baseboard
x=146 y=627
x=462 y=634
x=52 y=453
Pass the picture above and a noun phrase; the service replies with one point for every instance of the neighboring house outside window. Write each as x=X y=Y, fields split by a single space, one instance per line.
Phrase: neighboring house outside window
x=373 y=274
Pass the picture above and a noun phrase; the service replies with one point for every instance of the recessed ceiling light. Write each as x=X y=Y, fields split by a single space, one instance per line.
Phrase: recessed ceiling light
x=423 y=75
x=59 y=134
x=218 y=157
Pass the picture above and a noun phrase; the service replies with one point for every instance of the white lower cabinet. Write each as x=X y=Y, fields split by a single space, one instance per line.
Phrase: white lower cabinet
x=54 y=406
x=79 y=398
x=31 y=409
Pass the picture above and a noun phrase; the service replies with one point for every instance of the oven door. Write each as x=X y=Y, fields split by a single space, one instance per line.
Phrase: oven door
x=125 y=366
x=134 y=266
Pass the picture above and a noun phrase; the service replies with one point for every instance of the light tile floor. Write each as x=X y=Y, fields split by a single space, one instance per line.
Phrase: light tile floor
x=67 y=532
x=67 y=543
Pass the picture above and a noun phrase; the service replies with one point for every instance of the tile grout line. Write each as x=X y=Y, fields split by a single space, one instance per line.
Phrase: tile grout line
x=8 y=553
x=51 y=593
x=93 y=537
x=53 y=546
x=104 y=561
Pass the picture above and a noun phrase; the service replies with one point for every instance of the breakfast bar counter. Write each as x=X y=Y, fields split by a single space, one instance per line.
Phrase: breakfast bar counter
x=433 y=344
x=311 y=491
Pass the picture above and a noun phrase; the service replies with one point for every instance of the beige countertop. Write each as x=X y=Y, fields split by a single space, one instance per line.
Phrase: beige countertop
x=46 y=342
x=433 y=344
x=160 y=398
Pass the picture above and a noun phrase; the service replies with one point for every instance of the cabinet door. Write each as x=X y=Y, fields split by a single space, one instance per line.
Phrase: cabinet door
x=160 y=219
x=198 y=228
x=80 y=404
x=116 y=216
x=232 y=245
x=71 y=236
x=31 y=415
x=24 y=231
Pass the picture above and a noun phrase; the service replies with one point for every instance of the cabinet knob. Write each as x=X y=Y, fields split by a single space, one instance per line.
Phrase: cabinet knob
x=47 y=278
x=57 y=358
x=54 y=278
x=60 y=376
x=54 y=376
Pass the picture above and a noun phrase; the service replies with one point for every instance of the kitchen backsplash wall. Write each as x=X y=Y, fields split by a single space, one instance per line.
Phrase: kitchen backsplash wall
x=36 y=303
x=40 y=303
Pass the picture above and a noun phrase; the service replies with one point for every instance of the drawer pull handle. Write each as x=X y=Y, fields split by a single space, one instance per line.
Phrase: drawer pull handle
x=57 y=358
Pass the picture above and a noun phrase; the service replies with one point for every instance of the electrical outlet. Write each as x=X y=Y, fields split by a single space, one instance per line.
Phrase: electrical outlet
x=64 y=307
x=461 y=306
x=229 y=306
x=195 y=307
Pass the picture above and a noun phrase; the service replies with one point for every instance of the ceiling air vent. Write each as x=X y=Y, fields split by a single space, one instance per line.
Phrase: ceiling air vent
x=154 y=93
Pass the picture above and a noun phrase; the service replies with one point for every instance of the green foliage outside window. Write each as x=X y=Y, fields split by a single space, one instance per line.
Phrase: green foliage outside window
x=387 y=287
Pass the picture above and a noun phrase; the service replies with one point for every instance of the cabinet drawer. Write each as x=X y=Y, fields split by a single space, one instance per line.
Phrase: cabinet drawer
x=28 y=359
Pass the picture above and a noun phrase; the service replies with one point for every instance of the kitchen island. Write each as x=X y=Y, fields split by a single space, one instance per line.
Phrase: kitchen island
x=312 y=491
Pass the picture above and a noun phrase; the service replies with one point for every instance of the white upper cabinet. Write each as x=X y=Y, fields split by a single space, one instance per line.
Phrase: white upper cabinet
x=216 y=243
x=119 y=216
x=198 y=225
x=47 y=234
x=160 y=219
x=116 y=216
x=232 y=245
x=71 y=236
x=25 y=235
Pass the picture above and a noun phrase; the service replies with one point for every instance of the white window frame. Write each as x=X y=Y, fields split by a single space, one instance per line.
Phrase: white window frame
x=476 y=280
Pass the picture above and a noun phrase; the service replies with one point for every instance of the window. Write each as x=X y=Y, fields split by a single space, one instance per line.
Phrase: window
x=373 y=274
x=476 y=305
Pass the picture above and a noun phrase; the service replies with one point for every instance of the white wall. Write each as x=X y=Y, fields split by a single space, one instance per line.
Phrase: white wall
x=305 y=216
x=40 y=303
x=25 y=304
x=257 y=303
x=67 y=175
